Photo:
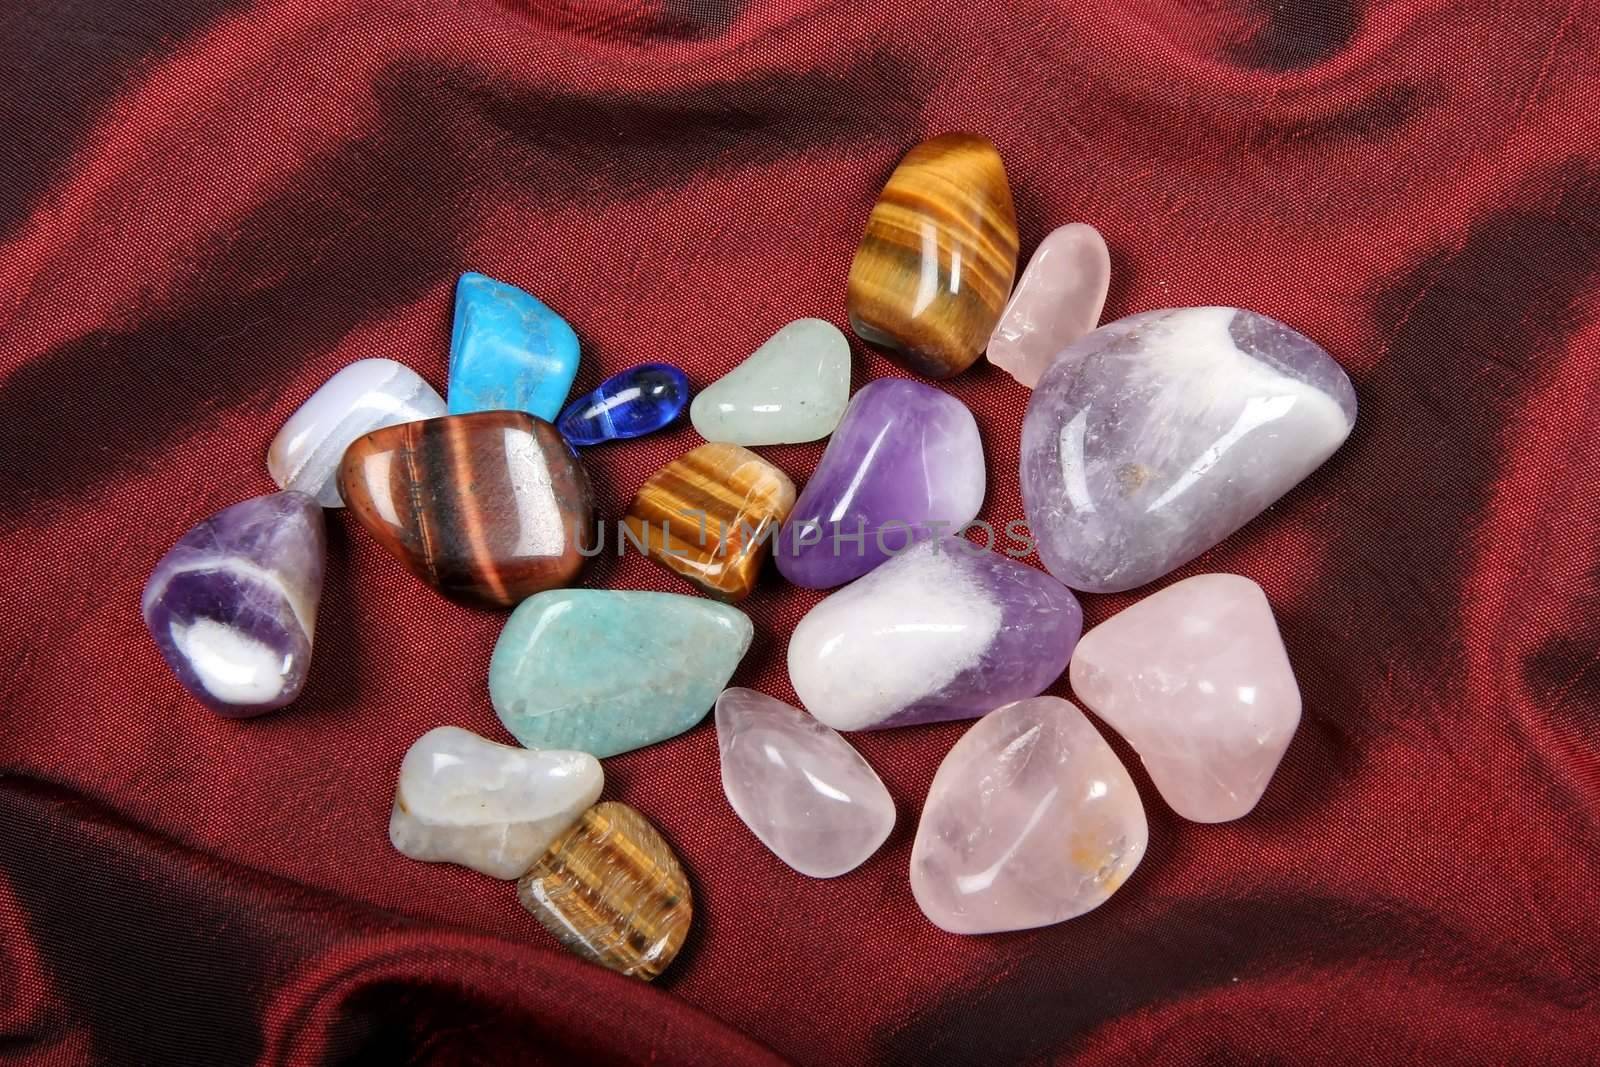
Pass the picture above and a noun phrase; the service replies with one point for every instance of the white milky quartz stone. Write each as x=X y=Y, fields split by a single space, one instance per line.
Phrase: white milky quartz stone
x=1197 y=679
x=793 y=388
x=365 y=396
x=800 y=787
x=494 y=808
x=1031 y=819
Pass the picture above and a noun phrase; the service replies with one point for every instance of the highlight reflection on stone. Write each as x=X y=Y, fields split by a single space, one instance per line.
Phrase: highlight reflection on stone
x=1151 y=439
x=1031 y=819
x=1197 y=679
x=611 y=890
x=800 y=787
x=935 y=266
x=487 y=507
x=494 y=808
x=1058 y=300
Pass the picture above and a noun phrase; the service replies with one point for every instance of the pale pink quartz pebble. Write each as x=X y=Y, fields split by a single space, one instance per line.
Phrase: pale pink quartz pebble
x=1031 y=819
x=1058 y=300
x=1197 y=680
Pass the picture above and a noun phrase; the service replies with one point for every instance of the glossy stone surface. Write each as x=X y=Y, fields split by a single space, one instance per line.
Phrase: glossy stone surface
x=945 y=630
x=607 y=671
x=1031 y=819
x=508 y=352
x=366 y=395
x=233 y=605
x=800 y=787
x=711 y=516
x=494 y=808
x=905 y=461
x=1155 y=437
x=611 y=890
x=1197 y=679
x=1058 y=300
x=793 y=388
x=935 y=266
x=629 y=404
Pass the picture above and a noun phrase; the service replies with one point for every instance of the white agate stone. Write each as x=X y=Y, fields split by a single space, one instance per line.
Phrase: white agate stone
x=800 y=787
x=494 y=808
x=367 y=395
x=793 y=388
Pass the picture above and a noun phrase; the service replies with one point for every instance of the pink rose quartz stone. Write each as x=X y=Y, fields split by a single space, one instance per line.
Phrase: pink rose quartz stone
x=1196 y=679
x=1031 y=819
x=1058 y=300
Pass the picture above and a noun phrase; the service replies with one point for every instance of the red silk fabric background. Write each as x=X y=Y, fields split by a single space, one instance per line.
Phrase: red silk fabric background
x=207 y=208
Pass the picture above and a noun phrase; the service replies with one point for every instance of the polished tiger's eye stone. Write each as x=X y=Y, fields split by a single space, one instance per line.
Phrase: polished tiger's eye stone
x=508 y=352
x=233 y=605
x=608 y=671
x=1031 y=819
x=905 y=464
x=487 y=507
x=495 y=808
x=1151 y=439
x=711 y=515
x=1058 y=300
x=1197 y=679
x=611 y=890
x=366 y=395
x=935 y=265
x=793 y=388
x=635 y=402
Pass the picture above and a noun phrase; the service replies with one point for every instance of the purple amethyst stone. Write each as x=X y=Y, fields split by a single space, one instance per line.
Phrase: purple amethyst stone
x=233 y=605
x=904 y=464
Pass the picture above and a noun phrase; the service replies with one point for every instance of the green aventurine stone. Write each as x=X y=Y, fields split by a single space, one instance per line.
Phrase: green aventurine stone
x=603 y=671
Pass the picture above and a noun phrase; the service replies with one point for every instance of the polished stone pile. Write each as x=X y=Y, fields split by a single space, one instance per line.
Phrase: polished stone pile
x=1151 y=439
x=628 y=404
x=1058 y=300
x=508 y=352
x=793 y=388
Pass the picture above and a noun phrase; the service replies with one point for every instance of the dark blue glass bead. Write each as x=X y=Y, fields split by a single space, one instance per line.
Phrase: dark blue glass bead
x=635 y=402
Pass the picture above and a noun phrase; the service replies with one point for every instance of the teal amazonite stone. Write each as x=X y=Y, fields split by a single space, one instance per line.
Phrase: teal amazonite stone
x=508 y=352
x=603 y=671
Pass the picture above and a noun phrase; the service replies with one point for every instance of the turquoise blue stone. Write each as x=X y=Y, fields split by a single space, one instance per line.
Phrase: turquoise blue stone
x=508 y=352
x=606 y=671
x=637 y=401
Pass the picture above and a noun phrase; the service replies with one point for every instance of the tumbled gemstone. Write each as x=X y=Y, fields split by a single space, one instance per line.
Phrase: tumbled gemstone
x=635 y=402
x=494 y=808
x=945 y=630
x=711 y=516
x=934 y=268
x=607 y=671
x=905 y=464
x=1031 y=819
x=800 y=787
x=366 y=395
x=793 y=388
x=487 y=507
x=611 y=890
x=1151 y=439
x=1197 y=679
x=233 y=605
x=508 y=352
x=1058 y=300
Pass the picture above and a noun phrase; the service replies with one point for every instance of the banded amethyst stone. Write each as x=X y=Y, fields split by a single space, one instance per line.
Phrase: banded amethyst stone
x=904 y=464
x=1151 y=439
x=945 y=630
x=233 y=605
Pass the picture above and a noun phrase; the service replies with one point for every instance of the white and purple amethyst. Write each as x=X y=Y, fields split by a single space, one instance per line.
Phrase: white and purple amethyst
x=233 y=605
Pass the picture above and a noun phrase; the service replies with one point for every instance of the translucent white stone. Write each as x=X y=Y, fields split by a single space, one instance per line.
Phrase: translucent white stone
x=793 y=388
x=494 y=808
x=1058 y=300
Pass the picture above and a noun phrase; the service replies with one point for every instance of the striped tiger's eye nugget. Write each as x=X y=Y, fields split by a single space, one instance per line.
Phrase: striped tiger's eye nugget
x=611 y=890
x=488 y=507
x=934 y=269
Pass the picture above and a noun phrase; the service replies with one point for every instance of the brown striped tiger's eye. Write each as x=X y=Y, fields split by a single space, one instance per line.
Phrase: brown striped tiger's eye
x=934 y=268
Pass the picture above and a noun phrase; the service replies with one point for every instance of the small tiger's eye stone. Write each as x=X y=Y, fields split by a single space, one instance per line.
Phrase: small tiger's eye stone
x=488 y=507
x=711 y=515
x=934 y=268
x=611 y=890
